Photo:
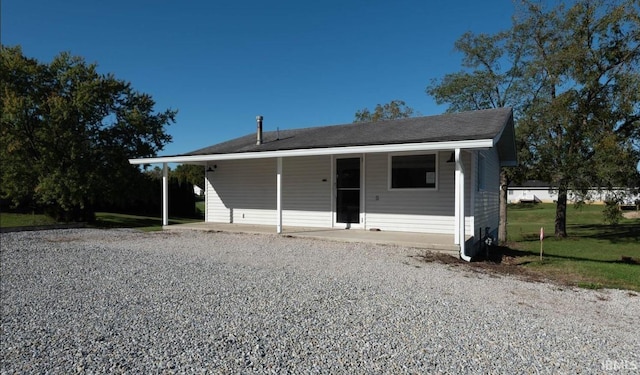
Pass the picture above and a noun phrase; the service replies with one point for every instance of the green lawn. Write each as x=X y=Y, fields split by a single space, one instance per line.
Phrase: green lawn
x=594 y=255
x=143 y=223
x=103 y=220
x=200 y=207
x=10 y=220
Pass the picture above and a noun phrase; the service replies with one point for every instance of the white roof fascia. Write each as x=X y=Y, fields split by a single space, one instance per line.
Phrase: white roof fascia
x=428 y=146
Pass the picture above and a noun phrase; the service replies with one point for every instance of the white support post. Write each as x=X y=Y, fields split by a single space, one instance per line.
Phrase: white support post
x=279 y=196
x=332 y=191
x=206 y=194
x=165 y=194
x=363 y=191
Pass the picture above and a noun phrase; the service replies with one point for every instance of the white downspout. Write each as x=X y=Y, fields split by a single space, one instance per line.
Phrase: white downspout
x=279 y=196
x=165 y=194
x=459 y=205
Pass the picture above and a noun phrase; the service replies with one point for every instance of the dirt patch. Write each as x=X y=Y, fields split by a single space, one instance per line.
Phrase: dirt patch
x=503 y=261
x=631 y=214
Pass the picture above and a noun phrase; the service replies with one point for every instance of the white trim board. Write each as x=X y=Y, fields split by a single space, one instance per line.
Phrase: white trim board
x=428 y=146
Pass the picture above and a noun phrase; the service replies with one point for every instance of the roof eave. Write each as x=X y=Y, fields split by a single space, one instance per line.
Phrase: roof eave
x=505 y=142
x=402 y=147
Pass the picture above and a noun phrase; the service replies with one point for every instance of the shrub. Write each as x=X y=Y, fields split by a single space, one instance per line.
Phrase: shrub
x=612 y=213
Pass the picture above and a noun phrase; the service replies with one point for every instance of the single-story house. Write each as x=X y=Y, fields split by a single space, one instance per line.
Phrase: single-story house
x=531 y=191
x=434 y=174
x=536 y=191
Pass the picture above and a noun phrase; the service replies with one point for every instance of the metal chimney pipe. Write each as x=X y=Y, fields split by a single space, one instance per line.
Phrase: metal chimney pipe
x=259 y=131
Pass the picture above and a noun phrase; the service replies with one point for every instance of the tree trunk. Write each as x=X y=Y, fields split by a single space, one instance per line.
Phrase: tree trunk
x=561 y=213
x=502 y=226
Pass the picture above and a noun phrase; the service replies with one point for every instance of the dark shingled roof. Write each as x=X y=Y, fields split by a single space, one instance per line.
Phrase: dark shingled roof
x=473 y=125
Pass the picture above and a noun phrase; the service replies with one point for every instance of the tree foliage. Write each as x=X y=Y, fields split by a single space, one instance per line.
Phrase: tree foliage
x=68 y=131
x=191 y=173
x=493 y=66
x=572 y=75
x=487 y=82
x=395 y=109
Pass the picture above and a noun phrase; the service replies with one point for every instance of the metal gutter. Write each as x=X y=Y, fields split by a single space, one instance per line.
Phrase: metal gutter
x=425 y=146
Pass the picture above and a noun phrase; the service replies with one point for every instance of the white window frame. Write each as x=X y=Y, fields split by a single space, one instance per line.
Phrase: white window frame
x=390 y=170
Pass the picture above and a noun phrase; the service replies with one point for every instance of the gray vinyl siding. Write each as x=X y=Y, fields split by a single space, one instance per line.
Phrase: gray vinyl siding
x=242 y=191
x=487 y=200
x=306 y=191
x=215 y=210
x=430 y=211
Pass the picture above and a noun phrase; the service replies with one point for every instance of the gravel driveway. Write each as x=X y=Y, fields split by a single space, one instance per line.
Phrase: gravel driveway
x=116 y=301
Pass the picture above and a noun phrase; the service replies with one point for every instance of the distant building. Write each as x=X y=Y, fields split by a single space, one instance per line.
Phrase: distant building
x=534 y=191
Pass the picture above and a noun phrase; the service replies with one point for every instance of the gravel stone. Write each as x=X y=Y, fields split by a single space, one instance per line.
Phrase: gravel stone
x=121 y=301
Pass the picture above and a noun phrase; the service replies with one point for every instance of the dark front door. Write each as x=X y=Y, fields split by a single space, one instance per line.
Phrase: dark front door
x=348 y=190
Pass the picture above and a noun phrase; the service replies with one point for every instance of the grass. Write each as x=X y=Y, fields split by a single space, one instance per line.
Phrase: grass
x=103 y=220
x=200 y=207
x=143 y=223
x=11 y=220
x=594 y=255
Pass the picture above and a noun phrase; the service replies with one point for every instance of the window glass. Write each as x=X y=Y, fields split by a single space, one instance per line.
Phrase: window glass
x=413 y=171
x=348 y=173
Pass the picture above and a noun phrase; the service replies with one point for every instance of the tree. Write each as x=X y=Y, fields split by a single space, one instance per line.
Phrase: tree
x=584 y=124
x=487 y=83
x=393 y=110
x=191 y=173
x=67 y=133
x=575 y=91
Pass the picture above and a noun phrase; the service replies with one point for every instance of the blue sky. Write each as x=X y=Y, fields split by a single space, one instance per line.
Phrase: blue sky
x=297 y=63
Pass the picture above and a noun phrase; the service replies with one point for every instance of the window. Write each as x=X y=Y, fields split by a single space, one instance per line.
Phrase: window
x=413 y=172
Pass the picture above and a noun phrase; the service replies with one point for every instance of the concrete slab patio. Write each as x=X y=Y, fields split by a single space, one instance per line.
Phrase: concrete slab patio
x=434 y=242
